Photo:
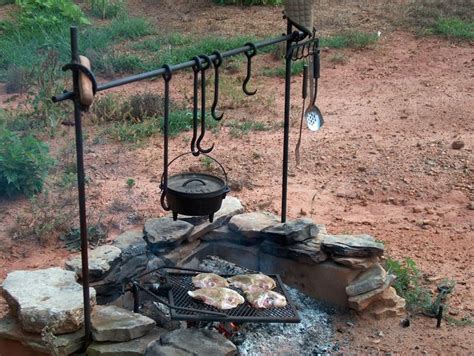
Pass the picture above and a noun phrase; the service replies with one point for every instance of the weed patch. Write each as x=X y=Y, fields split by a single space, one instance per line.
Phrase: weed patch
x=238 y=129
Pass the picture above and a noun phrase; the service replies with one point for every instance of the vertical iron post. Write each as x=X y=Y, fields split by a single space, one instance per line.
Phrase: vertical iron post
x=286 y=126
x=81 y=188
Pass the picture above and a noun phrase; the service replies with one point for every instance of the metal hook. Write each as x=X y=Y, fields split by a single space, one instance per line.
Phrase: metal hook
x=167 y=77
x=249 y=55
x=203 y=104
x=196 y=69
x=217 y=63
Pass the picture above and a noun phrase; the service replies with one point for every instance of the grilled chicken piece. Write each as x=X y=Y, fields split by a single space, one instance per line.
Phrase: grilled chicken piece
x=220 y=298
x=209 y=280
x=252 y=282
x=266 y=299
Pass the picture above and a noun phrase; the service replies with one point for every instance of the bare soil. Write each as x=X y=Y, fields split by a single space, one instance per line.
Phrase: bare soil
x=383 y=163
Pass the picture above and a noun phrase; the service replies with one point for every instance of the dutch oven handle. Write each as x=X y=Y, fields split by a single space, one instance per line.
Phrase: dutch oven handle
x=193 y=180
x=162 y=184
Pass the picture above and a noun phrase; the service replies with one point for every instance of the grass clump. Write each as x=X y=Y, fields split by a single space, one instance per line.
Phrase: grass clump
x=24 y=164
x=407 y=284
x=454 y=28
x=238 y=129
x=296 y=69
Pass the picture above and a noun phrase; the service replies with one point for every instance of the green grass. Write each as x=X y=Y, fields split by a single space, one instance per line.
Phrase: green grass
x=454 y=28
x=296 y=69
x=240 y=128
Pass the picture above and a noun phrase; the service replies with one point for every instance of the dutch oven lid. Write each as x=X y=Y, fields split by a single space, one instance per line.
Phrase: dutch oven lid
x=196 y=183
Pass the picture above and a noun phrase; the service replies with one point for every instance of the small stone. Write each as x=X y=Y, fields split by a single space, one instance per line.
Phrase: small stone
x=111 y=323
x=350 y=324
x=367 y=281
x=470 y=206
x=165 y=232
x=362 y=263
x=352 y=245
x=199 y=342
x=457 y=145
x=129 y=238
x=405 y=323
x=362 y=301
x=291 y=232
x=251 y=224
x=47 y=297
x=134 y=347
x=101 y=260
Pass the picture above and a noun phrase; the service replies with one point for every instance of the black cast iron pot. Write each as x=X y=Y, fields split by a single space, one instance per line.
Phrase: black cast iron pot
x=194 y=194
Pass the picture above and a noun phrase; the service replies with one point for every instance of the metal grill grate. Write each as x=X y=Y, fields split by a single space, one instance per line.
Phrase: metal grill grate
x=178 y=296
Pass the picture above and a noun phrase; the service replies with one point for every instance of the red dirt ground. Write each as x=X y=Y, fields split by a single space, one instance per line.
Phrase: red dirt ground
x=382 y=164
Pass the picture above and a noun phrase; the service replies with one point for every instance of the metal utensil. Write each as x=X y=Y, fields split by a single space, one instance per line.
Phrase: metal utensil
x=304 y=95
x=313 y=116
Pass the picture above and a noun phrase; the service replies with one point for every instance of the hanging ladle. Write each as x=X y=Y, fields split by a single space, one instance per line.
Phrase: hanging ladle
x=196 y=69
x=204 y=67
x=217 y=64
x=249 y=54
x=314 y=118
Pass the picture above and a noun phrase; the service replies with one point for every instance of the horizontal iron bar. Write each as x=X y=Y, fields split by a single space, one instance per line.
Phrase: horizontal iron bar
x=176 y=67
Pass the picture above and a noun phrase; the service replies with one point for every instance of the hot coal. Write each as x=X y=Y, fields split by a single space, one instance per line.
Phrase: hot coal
x=312 y=336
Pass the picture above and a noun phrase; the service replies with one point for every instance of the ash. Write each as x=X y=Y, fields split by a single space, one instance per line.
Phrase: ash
x=312 y=336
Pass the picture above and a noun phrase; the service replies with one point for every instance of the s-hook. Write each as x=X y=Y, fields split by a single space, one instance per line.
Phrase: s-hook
x=217 y=64
x=167 y=78
x=249 y=54
x=196 y=69
x=204 y=67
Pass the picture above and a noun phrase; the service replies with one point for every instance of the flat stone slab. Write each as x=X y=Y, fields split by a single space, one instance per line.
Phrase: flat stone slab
x=165 y=232
x=308 y=252
x=291 y=232
x=225 y=234
x=47 y=297
x=251 y=224
x=156 y=349
x=369 y=280
x=128 y=239
x=136 y=347
x=352 y=245
x=111 y=323
x=66 y=344
x=362 y=301
x=101 y=261
x=230 y=206
x=362 y=263
x=198 y=342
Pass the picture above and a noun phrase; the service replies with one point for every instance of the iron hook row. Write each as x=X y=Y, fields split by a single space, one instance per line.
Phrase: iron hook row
x=196 y=69
x=217 y=63
x=249 y=54
x=164 y=186
x=204 y=67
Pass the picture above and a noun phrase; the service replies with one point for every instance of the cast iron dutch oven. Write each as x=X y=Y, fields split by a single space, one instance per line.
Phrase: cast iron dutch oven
x=194 y=194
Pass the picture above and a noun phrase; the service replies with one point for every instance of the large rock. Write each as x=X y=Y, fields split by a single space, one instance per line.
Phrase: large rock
x=156 y=349
x=291 y=232
x=134 y=347
x=101 y=261
x=198 y=342
x=230 y=206
x=64 y=344
x=369 y=280
x=362 y=301
x=225 y=234
x=251 y=224
x=48 y=297
x=352 y=245
x=165 y=232
x=389 y=305
x=111 y=323
x=308 y=251
x=128 y=239
x=362 y=263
